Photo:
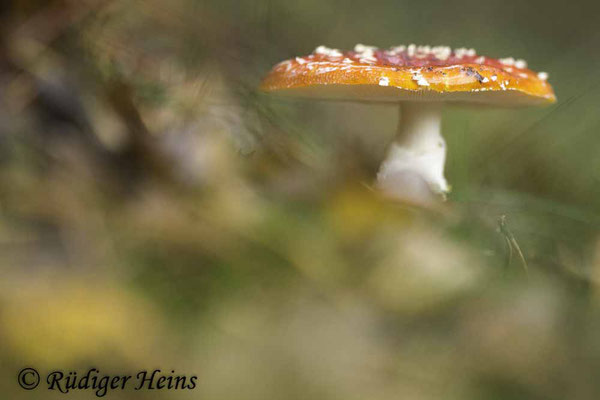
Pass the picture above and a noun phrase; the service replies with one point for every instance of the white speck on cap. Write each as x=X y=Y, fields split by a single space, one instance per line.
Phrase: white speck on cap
x=461 y=52
x=521 y=64
x=543 y=75
x=300 y=60
x=421 y=81
x=507 y=61
x=365 y=53
x=423 y=51
x=384 y=81
x=326 y=51
x=361 y=48
x=494 y=78
x=441 y=52
x=395 y=50
x=485 y=80
x=412 y=48
x=480 y=60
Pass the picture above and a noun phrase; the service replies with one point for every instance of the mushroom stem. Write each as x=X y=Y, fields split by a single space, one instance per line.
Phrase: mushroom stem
x=414 y=166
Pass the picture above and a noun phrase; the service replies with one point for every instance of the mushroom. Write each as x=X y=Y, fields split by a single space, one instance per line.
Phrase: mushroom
x=420 y=79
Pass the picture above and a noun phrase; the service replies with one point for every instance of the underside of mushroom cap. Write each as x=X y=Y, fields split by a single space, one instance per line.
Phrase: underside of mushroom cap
x=409 y=73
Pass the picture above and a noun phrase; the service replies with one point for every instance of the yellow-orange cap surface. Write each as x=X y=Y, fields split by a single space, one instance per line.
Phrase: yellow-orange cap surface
x=409 y=73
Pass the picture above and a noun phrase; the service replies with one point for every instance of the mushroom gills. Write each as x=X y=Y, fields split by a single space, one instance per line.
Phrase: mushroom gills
x=418 y=152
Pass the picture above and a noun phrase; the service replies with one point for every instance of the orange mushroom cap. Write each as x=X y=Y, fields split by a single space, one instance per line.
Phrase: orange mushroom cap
x=409 y=73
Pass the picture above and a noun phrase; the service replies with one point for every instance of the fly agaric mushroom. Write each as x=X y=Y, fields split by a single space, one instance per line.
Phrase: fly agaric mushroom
x=420 y=79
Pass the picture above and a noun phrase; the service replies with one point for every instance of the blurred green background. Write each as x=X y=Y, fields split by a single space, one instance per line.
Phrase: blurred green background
x=156 y=211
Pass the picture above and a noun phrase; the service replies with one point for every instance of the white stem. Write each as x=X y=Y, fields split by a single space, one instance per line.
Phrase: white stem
x=419 y=151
